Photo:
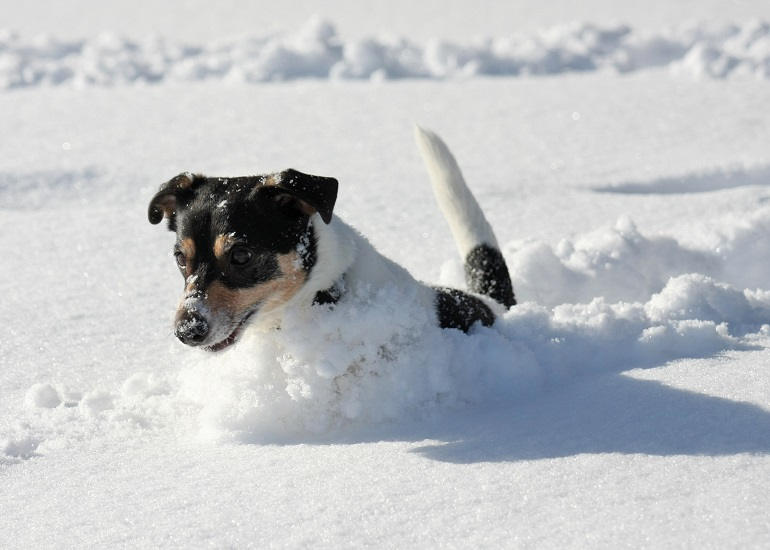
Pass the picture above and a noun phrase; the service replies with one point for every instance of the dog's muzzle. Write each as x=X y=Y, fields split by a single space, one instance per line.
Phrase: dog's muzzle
x=191 y=328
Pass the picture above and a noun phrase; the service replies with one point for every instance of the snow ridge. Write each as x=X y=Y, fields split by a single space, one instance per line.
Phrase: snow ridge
x=315 y=50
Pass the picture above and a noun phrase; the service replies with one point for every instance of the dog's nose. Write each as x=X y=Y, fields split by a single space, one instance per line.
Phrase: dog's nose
x=192 y=328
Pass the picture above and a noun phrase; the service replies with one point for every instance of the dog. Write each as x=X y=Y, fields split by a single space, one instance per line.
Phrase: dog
x=251 y=248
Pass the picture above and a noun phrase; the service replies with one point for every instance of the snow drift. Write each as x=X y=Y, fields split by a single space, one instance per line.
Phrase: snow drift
x=614 y=299
x=315 y=50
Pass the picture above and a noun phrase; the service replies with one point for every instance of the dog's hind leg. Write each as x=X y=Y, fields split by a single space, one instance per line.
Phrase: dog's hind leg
x=485 y=269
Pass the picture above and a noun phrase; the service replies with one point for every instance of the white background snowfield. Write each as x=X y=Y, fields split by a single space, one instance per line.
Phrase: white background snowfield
x=622 y=156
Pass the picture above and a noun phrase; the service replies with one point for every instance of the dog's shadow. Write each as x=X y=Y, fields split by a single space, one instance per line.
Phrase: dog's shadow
x=610 y=414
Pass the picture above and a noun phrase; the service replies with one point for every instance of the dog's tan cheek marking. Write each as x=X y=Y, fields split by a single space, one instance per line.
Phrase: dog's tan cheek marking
x=270 y=294
x=293 y=277
x=234 y=302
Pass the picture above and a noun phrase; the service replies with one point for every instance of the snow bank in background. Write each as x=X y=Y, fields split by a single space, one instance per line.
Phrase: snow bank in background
x=315 y=50
x=612 y=300
x=620 y=264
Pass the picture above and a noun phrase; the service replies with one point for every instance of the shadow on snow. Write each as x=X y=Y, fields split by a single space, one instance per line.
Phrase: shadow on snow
x=693 y=183
x=610 y=414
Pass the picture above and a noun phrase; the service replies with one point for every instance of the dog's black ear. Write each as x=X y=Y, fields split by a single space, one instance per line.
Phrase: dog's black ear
x=304 y=192
x=167 y=199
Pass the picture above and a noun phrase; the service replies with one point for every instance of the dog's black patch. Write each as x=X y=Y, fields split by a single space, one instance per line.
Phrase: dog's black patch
x=330 y=296
x=456 y=309
x=486 y=273
x=307 y=249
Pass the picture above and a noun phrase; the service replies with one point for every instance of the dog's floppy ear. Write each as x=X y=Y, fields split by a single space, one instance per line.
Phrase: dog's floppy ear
x=166 y=200
x=304 y=192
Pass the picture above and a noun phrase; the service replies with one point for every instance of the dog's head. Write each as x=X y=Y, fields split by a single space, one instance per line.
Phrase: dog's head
x=244 y=246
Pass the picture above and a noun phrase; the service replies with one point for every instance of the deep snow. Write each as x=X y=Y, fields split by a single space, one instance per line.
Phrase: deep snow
x=315 y=50
x=623 y=402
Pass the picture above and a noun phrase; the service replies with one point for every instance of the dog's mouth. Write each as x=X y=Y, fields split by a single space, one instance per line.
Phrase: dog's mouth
x=230 y=340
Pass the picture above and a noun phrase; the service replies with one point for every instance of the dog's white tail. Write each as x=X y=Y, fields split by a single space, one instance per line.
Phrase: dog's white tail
x=485 y=269
x=466 y=220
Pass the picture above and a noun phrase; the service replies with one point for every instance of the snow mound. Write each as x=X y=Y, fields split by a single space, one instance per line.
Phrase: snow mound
x=315 y=50
x=612 y=300
x=385 y=362
x=42 y=396
x=619 y=263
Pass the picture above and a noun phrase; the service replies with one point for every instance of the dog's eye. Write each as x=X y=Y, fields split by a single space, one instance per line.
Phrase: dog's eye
x=181 y=261
x=240 y=256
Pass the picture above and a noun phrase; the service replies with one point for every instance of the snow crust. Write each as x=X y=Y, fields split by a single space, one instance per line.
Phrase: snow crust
x=315 y=50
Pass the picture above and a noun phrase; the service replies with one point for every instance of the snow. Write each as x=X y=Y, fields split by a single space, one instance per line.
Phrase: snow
x=624 y=402
x=315 y=50
x=43 y=396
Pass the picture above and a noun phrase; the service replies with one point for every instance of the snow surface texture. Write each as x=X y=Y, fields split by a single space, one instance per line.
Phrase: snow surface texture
x=624 y=402
x=314 y=50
